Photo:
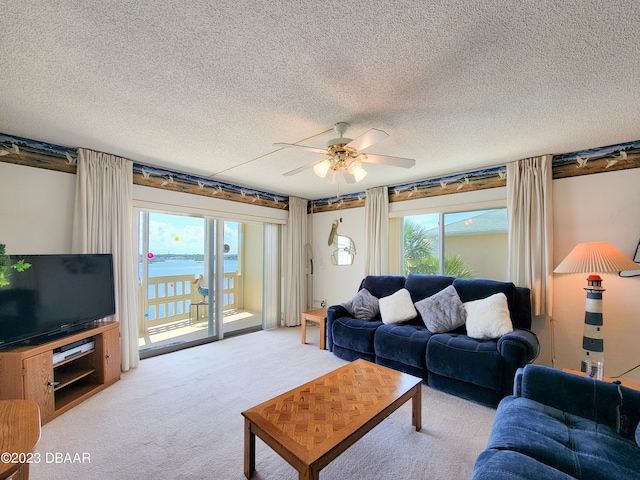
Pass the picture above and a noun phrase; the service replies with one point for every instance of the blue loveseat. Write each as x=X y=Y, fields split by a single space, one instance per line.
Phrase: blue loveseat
x=478 y=370
x=562 y=426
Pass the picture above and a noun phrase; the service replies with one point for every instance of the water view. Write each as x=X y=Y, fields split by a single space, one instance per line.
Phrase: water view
x=185 y=266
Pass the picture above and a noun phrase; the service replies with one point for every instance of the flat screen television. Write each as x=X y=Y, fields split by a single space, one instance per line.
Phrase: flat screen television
x=55 y=296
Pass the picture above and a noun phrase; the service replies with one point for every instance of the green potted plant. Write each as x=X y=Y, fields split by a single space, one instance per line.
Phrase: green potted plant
x=6 y=266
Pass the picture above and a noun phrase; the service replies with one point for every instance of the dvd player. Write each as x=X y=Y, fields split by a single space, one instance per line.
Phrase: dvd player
x=73 y=351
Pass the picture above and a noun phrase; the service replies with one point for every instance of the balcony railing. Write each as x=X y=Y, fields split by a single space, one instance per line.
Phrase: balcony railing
x=168 y=299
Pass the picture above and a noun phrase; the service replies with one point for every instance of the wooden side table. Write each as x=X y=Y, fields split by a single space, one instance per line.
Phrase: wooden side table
x=20 y=424
x=318 y=316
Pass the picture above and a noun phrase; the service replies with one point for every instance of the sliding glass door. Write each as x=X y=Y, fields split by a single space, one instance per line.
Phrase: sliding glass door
x=173 y=271
x=194 y=271
x=243 y=276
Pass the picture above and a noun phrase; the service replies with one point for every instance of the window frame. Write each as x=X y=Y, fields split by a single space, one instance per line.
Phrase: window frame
x=488 y=199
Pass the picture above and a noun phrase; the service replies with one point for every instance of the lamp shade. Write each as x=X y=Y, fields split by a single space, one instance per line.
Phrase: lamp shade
x=595 y=257
x=321 y=168
x=360 y=174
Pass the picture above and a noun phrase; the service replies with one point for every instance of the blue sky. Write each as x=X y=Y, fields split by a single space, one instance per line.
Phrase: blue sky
x=431 y=220
x=180 y=234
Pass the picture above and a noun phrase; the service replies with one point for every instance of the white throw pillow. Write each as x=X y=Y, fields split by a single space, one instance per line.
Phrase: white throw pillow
x=397 y=307
x=488 y=317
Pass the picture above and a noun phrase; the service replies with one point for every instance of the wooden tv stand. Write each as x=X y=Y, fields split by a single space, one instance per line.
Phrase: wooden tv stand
x=28 y=372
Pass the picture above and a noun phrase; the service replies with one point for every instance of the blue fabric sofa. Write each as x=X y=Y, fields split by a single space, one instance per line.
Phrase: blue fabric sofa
x=478 y=370
x=561 y=426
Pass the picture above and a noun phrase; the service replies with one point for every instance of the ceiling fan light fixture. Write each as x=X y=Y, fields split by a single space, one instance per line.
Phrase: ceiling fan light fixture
x=321 y=168
x=355 y=166
x=360 y=174
x=343 y=157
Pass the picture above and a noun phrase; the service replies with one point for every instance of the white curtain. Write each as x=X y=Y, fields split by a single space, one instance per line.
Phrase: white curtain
x=271 y=277
x=376 y=231
x=295 y=251
x=395 y=246
x=529 y=206
x=102 y=224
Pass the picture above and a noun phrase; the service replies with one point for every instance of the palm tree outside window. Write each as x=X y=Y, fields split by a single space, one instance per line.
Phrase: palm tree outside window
x=469 y=244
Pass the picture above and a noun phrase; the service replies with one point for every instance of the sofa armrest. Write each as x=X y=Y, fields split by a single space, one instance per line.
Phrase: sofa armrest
x=522 y=340
x=517 y=383
x=602 y=402
x=517 y=349
x=333 y=312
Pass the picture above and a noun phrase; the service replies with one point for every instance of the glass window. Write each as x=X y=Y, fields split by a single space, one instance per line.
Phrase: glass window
x=471 y=244
x=421 y=246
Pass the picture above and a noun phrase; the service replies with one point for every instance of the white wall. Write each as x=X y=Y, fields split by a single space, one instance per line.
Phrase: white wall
x=601 y=207
x=331 y=282
x=36 y=209
x=169 y=201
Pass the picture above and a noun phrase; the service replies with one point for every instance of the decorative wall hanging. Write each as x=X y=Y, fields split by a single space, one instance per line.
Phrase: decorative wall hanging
x=345 y=247
x=636 y=259
x=182 y=182
x=597 y=160
x=23 y=151
x=31 y=153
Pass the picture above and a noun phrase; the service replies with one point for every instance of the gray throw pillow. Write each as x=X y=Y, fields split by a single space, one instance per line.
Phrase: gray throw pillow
x=363 y=305
x=443 y=311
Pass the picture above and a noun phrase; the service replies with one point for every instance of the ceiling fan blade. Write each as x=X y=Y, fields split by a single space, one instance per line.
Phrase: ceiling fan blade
x=302 y=147
x=299 y=169
x=348 y=177
x=388 y=160
x=367 y=139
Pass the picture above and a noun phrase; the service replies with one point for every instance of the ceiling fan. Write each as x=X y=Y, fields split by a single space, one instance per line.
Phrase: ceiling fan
x=344 y=157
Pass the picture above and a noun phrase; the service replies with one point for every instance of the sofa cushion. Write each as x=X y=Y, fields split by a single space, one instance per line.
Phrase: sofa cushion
x=574 y=445
x=351 y=355
x=442 y=311
x=597 y=400
x=406 y=344
x=363 y=305
x=382 y=285
x=422 y=285
x=471 y=289
x=488 y=317
x=354 y=334
x=466 y=359
x=397 y=308
x=521 y=308
x=499 y=464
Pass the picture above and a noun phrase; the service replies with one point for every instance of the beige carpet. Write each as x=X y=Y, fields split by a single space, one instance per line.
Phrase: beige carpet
x=177 y=416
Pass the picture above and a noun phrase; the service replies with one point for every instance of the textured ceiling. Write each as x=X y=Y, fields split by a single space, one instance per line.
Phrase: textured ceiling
x=206 y=87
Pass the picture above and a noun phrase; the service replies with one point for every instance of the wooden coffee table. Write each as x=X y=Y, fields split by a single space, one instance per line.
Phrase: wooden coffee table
x=311 y=425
